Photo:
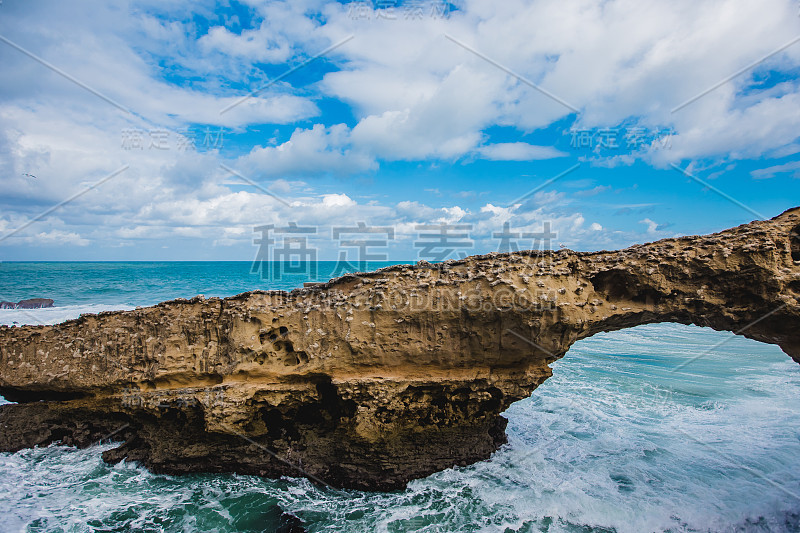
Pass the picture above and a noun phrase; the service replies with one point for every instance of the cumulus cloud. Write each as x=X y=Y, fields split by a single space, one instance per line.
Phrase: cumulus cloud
x=314 y=151
x=613 y=61
x=410 y=93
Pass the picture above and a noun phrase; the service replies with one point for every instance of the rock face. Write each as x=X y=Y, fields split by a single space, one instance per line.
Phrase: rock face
x=375 y=379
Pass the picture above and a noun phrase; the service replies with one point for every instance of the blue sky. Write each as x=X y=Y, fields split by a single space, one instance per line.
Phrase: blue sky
x=419 y=113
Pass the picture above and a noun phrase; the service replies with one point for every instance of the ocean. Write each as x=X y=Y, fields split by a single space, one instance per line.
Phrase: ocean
x=617 y=440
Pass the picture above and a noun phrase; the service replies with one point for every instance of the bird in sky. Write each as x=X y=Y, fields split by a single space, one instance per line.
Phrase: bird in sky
x=29 y=175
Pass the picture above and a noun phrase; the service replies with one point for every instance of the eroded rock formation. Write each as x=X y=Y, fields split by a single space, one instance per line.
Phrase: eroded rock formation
x=371 y=380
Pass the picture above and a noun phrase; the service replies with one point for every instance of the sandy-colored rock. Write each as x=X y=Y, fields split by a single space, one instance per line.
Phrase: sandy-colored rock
x=375 y=379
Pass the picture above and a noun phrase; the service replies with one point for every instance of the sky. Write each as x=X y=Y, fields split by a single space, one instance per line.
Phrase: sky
x=177 y=130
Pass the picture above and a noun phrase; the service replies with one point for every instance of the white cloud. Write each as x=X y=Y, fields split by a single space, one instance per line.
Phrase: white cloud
x=735 y=133
x=652 y=226
x=593 y=191
x=452 y=215
x=518 y=151
x=56 y=238
x=614 y=61
x=414 y=95
x=770 y=172
x=103 y=47
x=252 y=44
x=337 y=200
x=315 y=151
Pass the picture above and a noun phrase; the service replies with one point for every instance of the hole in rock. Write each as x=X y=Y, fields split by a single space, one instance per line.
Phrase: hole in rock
x=794 y=240
x=620 y=414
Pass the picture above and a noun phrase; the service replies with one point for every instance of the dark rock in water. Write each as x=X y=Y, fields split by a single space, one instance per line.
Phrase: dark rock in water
x=32 y=303
x=289 y=523
x=35 y=303
x=374 y=379
x=272 y=519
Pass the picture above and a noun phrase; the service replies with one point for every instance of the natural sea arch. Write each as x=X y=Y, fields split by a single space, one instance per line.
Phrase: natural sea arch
x=374 y=379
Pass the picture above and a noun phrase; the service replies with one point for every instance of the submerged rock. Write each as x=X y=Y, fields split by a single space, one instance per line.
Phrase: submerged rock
x=371 y=380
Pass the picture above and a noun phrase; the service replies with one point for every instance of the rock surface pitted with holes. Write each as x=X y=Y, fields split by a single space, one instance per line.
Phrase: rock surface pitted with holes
x=375 y=379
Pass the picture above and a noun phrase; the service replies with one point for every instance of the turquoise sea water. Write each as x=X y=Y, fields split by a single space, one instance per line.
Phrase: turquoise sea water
x=150 y=282
x=617 y=440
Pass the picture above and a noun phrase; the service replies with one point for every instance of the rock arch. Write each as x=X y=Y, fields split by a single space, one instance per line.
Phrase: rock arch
x=371 y=380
